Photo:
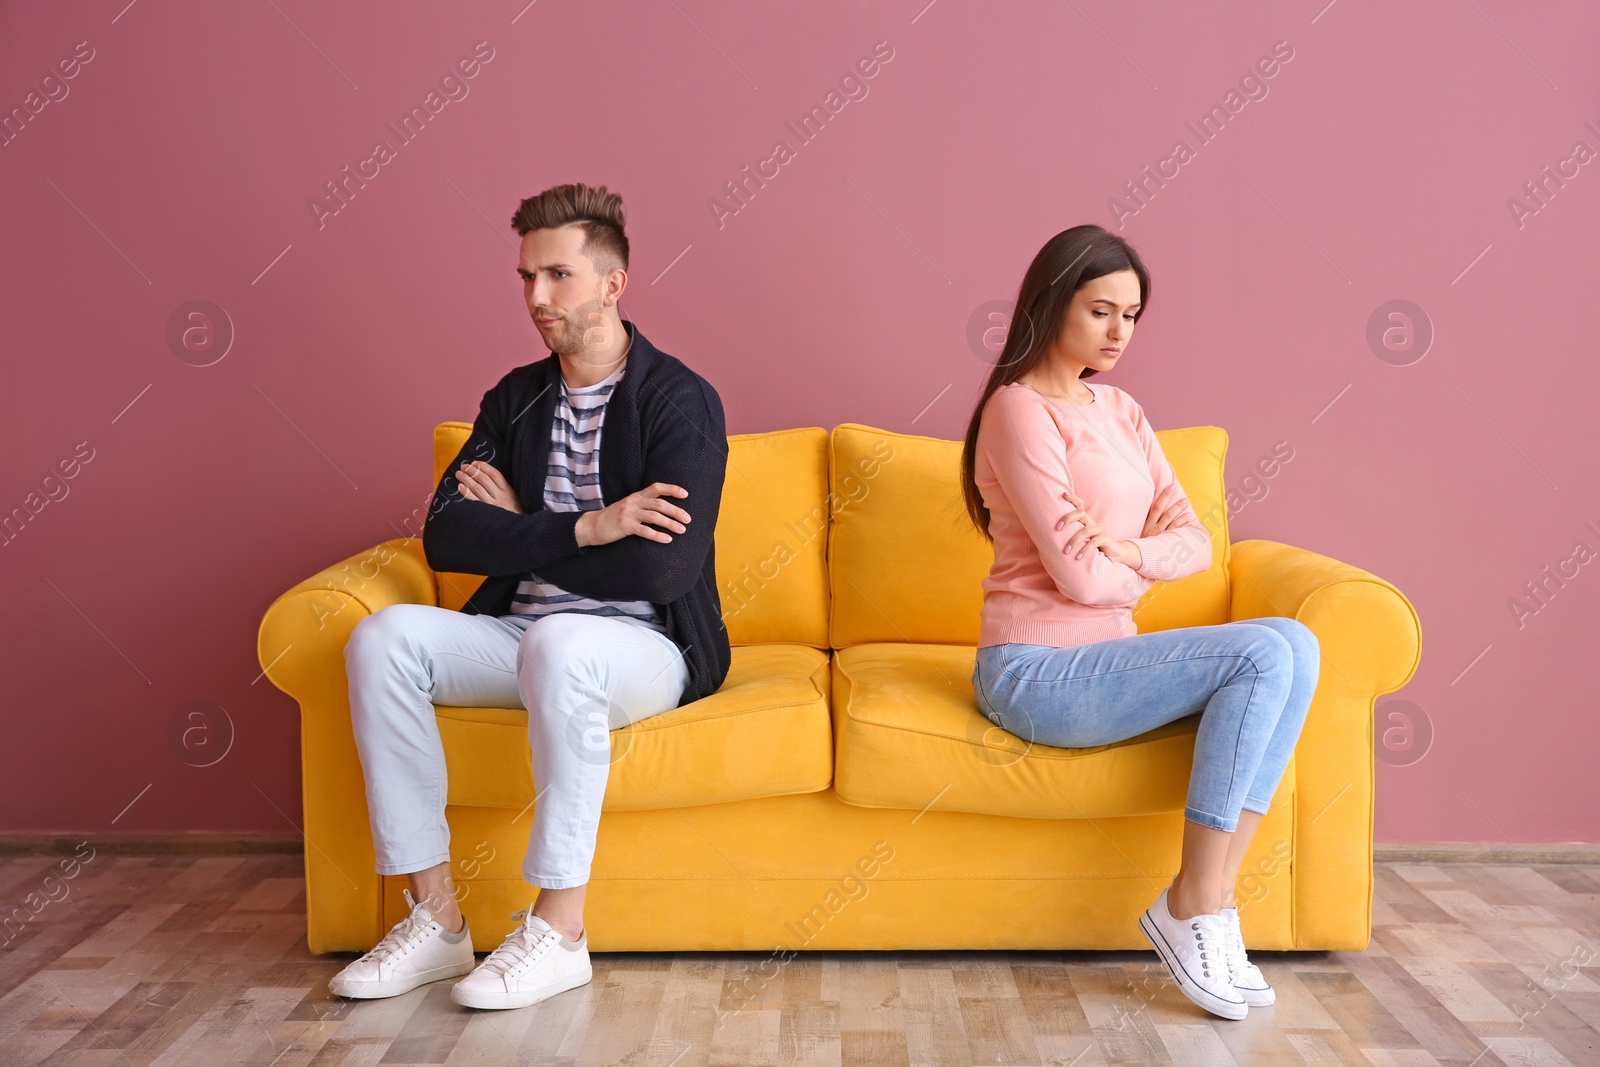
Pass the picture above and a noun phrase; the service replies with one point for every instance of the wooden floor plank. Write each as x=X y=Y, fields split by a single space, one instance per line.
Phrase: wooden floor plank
x=997 y=1030
x=873 y=1048
x=1437 y=1028
x=1545 y=1015
x=1362 y=1017
x=1195 y=1045
x=170 y=961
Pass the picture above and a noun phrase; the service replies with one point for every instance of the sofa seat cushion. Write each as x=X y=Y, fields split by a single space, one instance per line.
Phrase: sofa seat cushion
x=765 y=733
x=909 y=735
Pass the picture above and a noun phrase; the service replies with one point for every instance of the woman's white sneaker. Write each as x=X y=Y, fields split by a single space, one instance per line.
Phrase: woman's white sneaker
x=533 y=963
x=415 y=952
x=1247 y=977
x=1194 y=951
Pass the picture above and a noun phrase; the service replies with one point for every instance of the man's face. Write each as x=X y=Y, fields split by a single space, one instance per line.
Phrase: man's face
x=565 y=294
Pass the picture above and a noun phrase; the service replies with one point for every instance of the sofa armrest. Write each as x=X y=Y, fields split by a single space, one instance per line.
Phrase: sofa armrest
x=301 y=648
x=313 y=619
x=1377 y=656
x=1371 y=642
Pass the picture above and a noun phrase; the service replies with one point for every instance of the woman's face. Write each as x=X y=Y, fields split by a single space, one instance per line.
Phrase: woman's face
x=1099 y=321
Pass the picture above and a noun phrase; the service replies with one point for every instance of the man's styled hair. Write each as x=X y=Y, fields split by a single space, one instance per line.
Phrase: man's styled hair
x=597 y=210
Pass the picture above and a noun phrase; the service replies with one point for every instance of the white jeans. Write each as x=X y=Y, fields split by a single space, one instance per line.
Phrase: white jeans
x=579 y=676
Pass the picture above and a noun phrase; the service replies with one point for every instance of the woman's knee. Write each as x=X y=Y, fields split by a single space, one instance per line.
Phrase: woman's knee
x=1266 y=648
x=1300 y=636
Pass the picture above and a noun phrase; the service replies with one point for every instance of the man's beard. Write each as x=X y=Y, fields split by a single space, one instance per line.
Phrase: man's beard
x=584 y=329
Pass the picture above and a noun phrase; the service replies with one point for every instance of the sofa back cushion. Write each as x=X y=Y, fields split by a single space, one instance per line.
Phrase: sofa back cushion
x=771 y=541
x=772 y=538
x=448 y=440
x=906 y=564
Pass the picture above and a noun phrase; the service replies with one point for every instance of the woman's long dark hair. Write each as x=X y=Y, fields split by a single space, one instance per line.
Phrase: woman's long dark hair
x=1066 y=262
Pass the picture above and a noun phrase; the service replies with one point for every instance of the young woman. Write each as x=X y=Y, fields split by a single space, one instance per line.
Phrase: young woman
x=1068 y=481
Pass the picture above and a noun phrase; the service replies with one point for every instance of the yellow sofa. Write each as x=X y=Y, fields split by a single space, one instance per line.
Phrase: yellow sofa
x=841 y=790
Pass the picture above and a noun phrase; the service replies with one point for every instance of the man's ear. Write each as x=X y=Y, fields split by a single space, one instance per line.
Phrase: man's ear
x=616 y=281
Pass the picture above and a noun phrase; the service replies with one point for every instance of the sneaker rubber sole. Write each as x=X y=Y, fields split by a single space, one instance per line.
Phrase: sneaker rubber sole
x=500 y=999
x=1206 y=999
x=393 y=988
x=1258 y=998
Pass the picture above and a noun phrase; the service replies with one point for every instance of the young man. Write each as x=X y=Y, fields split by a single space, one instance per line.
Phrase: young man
x=588 y=494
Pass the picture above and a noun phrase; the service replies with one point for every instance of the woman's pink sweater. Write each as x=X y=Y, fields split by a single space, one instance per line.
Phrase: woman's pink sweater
x=1030 y=450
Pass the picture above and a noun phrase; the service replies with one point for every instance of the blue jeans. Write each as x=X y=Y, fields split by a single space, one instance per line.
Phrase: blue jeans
x=1251 y=680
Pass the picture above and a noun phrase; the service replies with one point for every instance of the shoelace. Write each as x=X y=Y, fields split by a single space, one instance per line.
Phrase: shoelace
x=521 y=946
x=1233 y=943
x=399 y=941
x=1211 y=943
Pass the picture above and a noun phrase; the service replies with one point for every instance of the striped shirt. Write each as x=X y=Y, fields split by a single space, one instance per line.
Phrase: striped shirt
x=572 y=483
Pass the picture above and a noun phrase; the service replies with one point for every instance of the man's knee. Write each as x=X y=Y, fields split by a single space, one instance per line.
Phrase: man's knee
x=378 y=633
x=560 y=646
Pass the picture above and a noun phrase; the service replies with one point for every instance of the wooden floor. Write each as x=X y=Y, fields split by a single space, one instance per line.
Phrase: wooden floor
x=202 y=960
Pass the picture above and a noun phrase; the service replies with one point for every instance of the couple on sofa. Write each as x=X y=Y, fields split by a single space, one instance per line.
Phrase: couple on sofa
x=601 y=605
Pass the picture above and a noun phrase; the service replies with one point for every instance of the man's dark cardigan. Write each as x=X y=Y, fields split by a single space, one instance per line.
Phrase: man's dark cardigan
x=663 y=423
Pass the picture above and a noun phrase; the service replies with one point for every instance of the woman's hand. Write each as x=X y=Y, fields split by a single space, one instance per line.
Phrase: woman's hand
x=1161 y=518
x=479 y=481
x=1093 y=536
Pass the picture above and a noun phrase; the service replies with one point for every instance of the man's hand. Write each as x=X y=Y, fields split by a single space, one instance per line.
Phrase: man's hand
x=630 y=514
x=480 y=481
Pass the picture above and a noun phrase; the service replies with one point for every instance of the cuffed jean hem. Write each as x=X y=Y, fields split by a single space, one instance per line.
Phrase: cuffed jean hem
x=1215 y=822
x=413 y=867
x=547 y=882
x=1260 y=807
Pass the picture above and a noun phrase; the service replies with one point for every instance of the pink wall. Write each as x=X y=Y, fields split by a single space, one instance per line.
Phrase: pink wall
x=1379 y=166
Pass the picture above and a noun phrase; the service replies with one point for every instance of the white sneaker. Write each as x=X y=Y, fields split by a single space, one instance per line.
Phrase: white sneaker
x=413 y=953
x=533 y=963
x=1246 y=976
x=1194 y=950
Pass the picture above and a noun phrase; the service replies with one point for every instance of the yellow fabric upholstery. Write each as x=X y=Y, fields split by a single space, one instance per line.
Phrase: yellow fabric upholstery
x=772 y=538
x=854 y=804
x=907 y=564
x=904 y=562
x=1371 y=641
x=453 y=589
x=909 y=735
x=807 y=872
x=772 y=535
x=763 y=734
x=1196 y=454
